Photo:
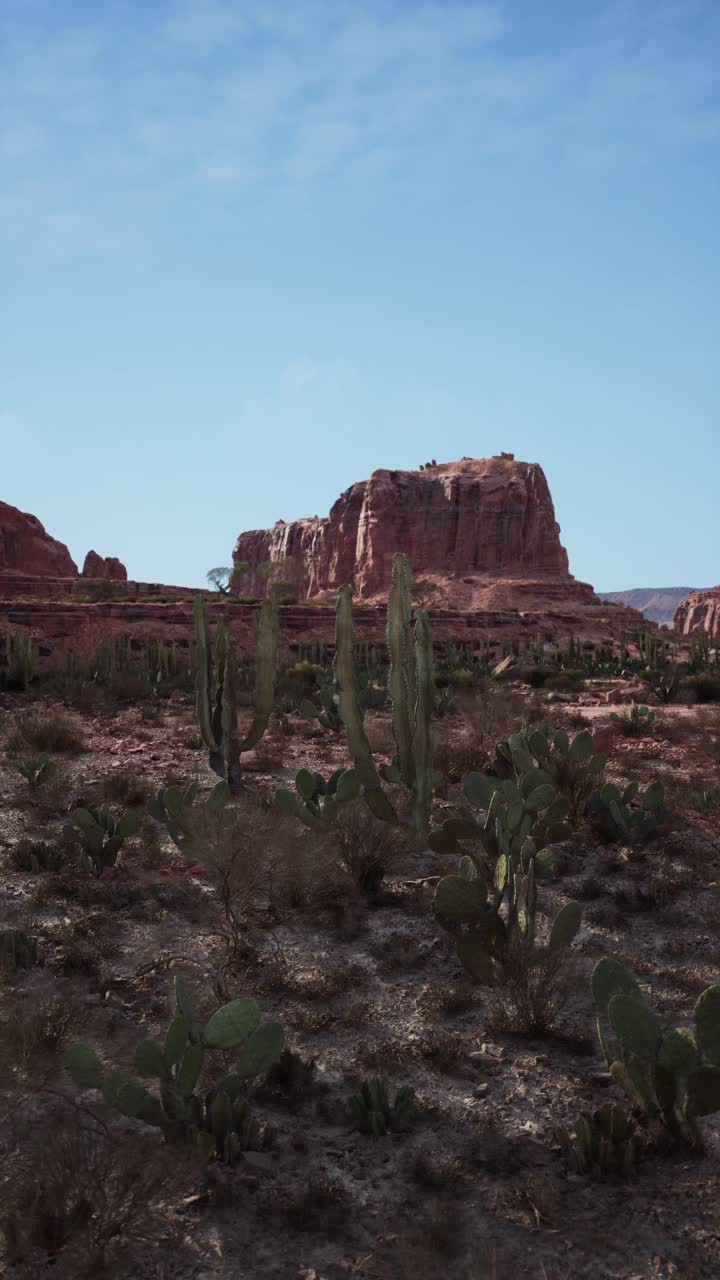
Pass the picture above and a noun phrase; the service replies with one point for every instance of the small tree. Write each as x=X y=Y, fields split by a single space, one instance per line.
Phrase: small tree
x=425 y=593
x=220 y=579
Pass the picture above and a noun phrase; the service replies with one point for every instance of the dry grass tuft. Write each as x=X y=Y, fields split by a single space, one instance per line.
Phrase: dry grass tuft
x=532 y=993
x=45 y=729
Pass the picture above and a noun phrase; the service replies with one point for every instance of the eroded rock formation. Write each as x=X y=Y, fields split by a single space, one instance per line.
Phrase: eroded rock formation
x=108 y=567
x=27 y=549
x=700 y=612
x=469 y=524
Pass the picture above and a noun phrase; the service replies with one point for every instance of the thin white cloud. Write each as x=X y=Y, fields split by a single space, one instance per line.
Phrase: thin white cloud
x=215 y=93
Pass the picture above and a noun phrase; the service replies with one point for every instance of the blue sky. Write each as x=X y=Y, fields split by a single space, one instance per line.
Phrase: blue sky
x=251 y=251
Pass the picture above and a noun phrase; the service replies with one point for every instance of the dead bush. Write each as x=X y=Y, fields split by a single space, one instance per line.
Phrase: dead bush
x=123 y=787
x=366 y=845
x=78 y=1201
x=33 y=1030
x=45 y=729
x=532 y=991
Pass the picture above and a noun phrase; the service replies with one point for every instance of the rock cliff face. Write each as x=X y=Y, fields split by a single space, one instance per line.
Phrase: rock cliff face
x=700 y=612
x=109 y=567
x=463 y=523
x=26 y=548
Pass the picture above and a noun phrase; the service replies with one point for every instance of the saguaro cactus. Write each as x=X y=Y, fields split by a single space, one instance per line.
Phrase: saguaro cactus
x=217 y=715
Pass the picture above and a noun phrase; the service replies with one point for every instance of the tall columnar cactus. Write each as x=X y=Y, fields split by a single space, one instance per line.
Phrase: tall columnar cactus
x=219 y=1121
x=422 y=742
x=402 y=681
x=351 y=712
x=216 y=695
x=669 y=1073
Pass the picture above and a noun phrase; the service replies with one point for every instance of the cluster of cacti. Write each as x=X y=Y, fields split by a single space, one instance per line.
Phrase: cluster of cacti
x=34 y=768
x=216 y=695
x=317 y=798
x=637 y=721
x=328 y=714
x=630 y=814
x=669 y=1073
x=217 y=1121
x=603 y=1141
x=569 y=763
x=18 y=950
x=371 y=1111
x=471 y=910
x=37 y=855
x=101 y=834
x=513 y=811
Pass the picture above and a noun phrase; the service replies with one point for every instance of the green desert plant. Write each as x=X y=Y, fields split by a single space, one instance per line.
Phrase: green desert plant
x=629 y=815
x=602 y=1142
x=637 y=721
x=327 y=714
x=670 y=1073
x=317 y=798
x=217 y=1122
x=100 y=834
x=371 y=1111
x=173 y=809
x=37 y=855
x=570 y=764
x=34 y=768
x=216 y=693
x=18 y=950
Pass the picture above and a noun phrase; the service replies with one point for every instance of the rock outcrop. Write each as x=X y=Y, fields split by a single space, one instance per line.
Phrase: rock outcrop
x=659 y=604
x=469 y=525
x=26 y=548
x=108 y=567
x=700 y=612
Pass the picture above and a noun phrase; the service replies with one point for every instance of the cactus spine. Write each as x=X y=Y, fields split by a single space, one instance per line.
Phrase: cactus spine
x=218 y=717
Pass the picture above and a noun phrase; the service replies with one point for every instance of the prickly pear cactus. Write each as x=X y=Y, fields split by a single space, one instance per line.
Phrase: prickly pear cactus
x=629 y=815
x=101 y=834
x=316 y=799
x=219 y=1122
x=672 y=1074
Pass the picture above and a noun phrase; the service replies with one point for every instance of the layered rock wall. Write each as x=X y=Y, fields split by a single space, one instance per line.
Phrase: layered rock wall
x=700 y=612
x=491 y=516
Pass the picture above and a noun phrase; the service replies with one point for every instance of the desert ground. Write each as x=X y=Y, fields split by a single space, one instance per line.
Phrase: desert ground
x=365 y=983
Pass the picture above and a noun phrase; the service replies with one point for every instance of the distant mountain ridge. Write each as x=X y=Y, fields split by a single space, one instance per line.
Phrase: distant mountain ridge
x=658 y=604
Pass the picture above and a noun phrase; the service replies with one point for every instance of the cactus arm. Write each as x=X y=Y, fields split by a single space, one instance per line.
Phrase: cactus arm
x=423 y=735
x=401 y=679
x=230 y=744
x=266 y=639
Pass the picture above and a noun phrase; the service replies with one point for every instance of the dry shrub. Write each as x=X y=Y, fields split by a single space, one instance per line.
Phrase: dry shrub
x=123 y=787
x=78 y=1201
x=367 y=846
x=33 y=1031
x=259 y=861
x=490 y=714
x=266 y=757
x=532 y=991
x=44 y=729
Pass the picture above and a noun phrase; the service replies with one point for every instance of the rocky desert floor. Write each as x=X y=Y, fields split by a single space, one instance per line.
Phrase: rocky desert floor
x=363 y=986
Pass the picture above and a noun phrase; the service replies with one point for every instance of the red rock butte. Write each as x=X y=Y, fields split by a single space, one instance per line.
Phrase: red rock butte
x=483 y=528
x=700 y=612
